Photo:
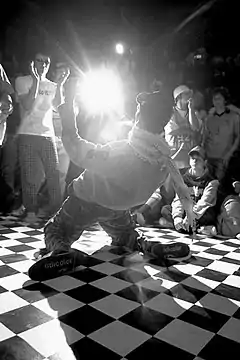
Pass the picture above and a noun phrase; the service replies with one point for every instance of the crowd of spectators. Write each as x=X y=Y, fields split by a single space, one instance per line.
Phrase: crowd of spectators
x=205 y=147
x=203 y=135
x=35 y=167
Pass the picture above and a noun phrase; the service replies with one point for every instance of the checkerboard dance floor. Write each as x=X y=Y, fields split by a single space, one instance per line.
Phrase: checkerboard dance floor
x=120 y=306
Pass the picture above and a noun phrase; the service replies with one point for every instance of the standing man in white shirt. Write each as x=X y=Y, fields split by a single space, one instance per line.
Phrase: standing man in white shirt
x=37 y=97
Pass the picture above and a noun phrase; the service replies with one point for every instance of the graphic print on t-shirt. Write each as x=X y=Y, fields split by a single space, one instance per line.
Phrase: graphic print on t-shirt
x=38 y=120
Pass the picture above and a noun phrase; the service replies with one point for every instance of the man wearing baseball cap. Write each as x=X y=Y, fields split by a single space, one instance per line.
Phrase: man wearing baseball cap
x=203 y=190
x=199 y=151
x=184 y=129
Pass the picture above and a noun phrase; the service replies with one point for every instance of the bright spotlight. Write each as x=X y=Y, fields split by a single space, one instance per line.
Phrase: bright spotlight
x=101 y=92
x=120 y=49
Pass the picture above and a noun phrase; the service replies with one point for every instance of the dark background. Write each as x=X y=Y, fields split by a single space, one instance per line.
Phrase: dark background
x=74 y=29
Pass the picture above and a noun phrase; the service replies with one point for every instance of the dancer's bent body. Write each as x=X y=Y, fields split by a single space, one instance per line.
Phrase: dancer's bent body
x=118 y=176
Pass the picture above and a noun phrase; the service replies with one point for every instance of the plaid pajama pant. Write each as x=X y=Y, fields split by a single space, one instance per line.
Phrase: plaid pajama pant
x=38 y=157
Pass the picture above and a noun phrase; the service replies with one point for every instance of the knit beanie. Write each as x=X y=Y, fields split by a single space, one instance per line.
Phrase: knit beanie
x=154 y=110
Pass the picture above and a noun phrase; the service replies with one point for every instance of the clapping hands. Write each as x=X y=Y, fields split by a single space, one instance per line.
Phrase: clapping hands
x=63 y=76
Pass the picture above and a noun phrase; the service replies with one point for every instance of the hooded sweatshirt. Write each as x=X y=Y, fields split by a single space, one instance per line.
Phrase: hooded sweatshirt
x=121 y=174
x=203 y=191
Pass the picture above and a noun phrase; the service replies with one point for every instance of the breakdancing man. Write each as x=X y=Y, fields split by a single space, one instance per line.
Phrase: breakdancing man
x=118 y=176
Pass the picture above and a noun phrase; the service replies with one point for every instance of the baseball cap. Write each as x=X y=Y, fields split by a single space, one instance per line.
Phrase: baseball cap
x=197 y=150
x=179 y=90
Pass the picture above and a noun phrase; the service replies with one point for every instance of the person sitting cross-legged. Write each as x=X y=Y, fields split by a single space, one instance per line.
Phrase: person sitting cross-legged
x=229 y=217
x=118 y=176
x=203 y=189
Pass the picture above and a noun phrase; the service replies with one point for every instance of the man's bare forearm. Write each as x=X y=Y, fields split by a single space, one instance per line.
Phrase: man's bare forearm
x=70 y=137
x=59 y=97
x=193 y=120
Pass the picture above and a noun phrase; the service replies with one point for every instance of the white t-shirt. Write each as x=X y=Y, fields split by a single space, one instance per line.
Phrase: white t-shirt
x=39 y=120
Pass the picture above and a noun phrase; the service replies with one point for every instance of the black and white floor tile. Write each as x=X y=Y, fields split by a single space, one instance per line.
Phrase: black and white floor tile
x=120 y=306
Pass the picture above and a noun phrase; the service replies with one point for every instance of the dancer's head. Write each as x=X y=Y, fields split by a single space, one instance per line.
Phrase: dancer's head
x=153 y=111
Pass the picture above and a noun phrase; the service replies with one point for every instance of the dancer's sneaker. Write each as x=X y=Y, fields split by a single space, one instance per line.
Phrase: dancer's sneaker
x=176 y=251
x=53 y=264
x=136 y=241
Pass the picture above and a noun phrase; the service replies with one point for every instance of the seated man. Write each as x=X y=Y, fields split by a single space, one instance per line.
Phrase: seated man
x=118 y=176
x=229 y=217
x=203 y=189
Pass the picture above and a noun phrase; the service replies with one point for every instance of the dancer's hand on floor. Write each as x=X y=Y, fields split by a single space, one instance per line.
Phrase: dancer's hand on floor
x=190 y=215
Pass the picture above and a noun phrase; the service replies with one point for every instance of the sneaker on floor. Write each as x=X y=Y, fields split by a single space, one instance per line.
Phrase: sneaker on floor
x=44 y=252
x=31 y=218
x=176 y=251
x=43 y=214
x=140 y=219
x=236 y=186
x=54 y=264
x=207 y=230
x=18 y=212
x=165 y=224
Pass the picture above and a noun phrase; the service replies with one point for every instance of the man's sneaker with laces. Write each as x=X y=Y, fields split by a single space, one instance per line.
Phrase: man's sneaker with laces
x=43 y=214
x=176 y=251
x=207 y=230
x=55 y=263
x=31 y=218
x=18 y=212
x=165 y=223
x=138 y=242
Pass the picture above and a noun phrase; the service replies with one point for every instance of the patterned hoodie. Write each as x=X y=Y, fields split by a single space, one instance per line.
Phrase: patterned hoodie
x=121 y=174
x=203 y=191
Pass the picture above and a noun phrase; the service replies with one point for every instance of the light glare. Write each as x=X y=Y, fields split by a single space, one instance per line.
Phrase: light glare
x=101 y=91
x=120 y=49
